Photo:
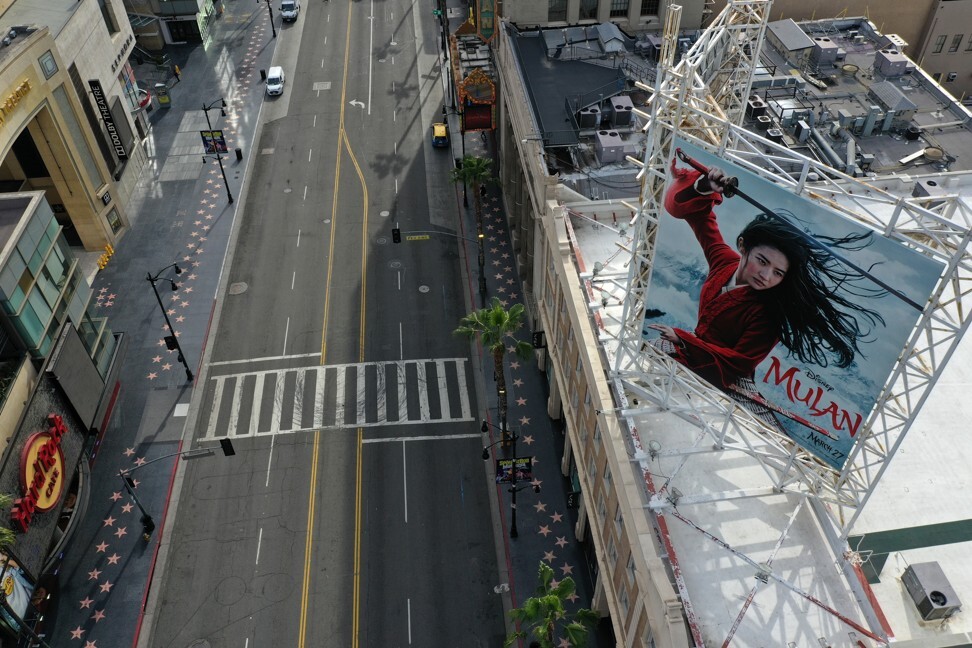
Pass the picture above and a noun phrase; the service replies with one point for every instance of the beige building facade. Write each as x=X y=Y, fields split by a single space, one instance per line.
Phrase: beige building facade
x=630 y=15
x=70 y=120
x=945 y=50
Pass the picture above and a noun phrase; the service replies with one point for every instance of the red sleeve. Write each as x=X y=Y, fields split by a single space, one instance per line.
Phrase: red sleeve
x=722 y=365
x=684 y=203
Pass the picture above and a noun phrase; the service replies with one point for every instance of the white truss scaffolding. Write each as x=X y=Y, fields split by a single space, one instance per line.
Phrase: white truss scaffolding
x=701 y=100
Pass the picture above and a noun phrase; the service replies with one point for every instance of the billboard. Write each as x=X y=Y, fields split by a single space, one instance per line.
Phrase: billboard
x=793 y=310
x=213 y=141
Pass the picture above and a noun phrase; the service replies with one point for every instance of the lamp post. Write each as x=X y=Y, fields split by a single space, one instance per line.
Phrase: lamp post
x=171 y=340
x=273 y=29
x=462 y=141
x=218 y=156
x=513 y=489
x=148 y=522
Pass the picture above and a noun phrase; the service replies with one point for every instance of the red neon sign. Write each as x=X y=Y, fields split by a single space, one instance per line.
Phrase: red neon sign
x=41 y=473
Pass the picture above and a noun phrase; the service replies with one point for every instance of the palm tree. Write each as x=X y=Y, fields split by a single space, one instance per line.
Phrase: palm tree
x=495 y=327
x=544 y=612
x=476 y=171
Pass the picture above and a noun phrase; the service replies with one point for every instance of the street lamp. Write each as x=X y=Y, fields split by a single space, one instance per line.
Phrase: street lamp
x=148 y=522
x=513 y=489
x=171 y=340
x=273 y=29
x=218 y=157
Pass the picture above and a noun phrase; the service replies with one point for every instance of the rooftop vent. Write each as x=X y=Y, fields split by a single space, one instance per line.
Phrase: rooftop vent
x=930 y=590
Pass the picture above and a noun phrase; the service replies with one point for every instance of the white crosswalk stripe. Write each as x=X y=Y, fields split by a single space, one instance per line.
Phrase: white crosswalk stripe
x=284 y=401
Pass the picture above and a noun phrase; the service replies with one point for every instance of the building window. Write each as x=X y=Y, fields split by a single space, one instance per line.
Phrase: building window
x=939 y=44
x=601 y=507
x=597 y=433
x=649 y=7
x=624 y=602
x=619 y=523
x=956 y=43
x=612 y=553
x=607 y=478
x=557 y=11
x=968 y=48
x=619 y=8
x=592 y=469
x=109 y=16
x=48 y=64
x=631 y=570
x=114 y=221
x=587 y=396
x=588 y=10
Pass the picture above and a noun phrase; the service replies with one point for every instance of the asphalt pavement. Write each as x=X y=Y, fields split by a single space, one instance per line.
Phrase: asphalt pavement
x=181 y=215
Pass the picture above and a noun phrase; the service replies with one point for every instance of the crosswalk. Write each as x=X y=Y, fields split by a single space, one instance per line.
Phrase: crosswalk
x=280 y=401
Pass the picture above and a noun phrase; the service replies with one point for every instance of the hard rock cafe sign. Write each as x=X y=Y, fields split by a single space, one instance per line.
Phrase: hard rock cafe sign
x=41 y=473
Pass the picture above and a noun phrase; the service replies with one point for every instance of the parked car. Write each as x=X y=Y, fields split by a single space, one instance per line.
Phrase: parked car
x=275 y=81
x=289 y=10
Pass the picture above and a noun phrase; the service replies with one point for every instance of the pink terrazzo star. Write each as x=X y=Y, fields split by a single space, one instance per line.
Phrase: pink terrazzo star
x=98 y=615
x=109 y=521
x=167 y=366
x=518 y=382
x=115 y=496
x=122 y=531
x=544 y=530
x=106 y=586
x=549 y=557
x=86 y=602
x=77 y=632
x=94 y=574
x=524 y=420
x=540 y=506
x=157 y=359
x=127 y=508
x=102 y=547
x=561 y=542
x=557 y=517
x=113 y=559
x=528 y=439
x=567 y=569
x=152 y=376
x=129 y=452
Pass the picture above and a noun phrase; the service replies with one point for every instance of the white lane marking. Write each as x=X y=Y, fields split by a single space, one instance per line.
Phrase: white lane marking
x=265 y=359
x=409 y=602
x=423 y=395
x=257 y=402
x=319 y=398
x=315 y=117
x=305 y=186
x=401 y=342
x=405 y=482
x=427 y=437
x=237 y=397
x=217 y=399
x=309 y=152
x=286 y=333
x=298 y=238
x=371 y=52
x=259 y=542
x=360 y=389
x=443 y=389
x=273 y=439
x=293 y=279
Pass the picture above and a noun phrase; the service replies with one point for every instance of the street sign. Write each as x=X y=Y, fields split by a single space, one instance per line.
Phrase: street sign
x=538 y=341
x=417 y=237
x=436 y=12
x=573 y=499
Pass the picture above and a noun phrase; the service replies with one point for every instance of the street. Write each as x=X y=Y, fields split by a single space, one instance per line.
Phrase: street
x=356 y=510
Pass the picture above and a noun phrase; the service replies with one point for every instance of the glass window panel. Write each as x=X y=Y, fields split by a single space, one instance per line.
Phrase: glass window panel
x=939 y=43
x=649 y=7
x=588 y=10
x=41 y=307
x=30 y=326
x=619 y=8
x=956 y=43
x=557 y=11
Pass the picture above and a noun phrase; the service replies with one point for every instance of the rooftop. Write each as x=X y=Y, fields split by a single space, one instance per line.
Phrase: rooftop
x=771 y=576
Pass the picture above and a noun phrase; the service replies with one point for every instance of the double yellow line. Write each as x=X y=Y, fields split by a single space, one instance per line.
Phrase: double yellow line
x=312 y=497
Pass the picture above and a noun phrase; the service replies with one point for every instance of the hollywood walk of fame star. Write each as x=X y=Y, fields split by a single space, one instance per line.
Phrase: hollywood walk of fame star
x=113 y=559
x=549 y=556
x=152 y=376
x=536 y=482
x=567 y=569
x=140 y=461
x=157 y=359
x=109 y=521
x=192 y=276
x=513 y=295
x=499 y=276
x=521 y=401
x=116 y=495
x=528 y=439
x=90 y=644
x=181 y=318
x=127 y=508
x=102 y=547
x=98 y=615
x=86 y=602
x=540 y=506
x=122 y=531
x=106 y=586
x=544 y=530
x=514 y=365
x=167 y=366
x=77 y=632
x=518 y=382
x=563 y=642
x=109 y=303
x=573 y=597
x=183 y=304
x=557 y=517
x=94 y=574
x=524 y=420
x=497 y=262
x=561 y=541
x=187 y=289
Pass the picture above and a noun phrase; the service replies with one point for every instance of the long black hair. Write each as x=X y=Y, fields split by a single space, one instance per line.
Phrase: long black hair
x=816 y=304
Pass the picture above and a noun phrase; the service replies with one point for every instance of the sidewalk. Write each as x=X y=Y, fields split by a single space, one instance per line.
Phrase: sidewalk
x=544 y=523
x=179 y=214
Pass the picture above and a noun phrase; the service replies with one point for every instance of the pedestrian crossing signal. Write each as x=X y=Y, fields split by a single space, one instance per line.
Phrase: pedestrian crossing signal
x=396 y=235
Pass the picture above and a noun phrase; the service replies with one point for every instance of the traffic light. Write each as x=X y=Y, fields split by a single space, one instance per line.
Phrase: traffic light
x=396 y=235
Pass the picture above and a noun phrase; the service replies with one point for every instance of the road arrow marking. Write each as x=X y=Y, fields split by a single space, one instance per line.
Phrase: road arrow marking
x=355 y=102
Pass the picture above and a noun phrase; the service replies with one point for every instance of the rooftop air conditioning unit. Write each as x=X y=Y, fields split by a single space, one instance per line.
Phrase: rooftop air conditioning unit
x=930 y=590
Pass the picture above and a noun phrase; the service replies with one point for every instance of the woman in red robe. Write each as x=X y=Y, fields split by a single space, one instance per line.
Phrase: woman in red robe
x=776 y=288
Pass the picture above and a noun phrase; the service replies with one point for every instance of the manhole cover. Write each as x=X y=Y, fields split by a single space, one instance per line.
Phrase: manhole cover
x=384 y=213
x=238 y=288
x=381 y=240
x=423 y=289
x=395 y=265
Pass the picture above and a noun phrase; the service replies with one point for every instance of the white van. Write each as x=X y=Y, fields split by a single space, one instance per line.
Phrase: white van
x=289 y=10
x=275 y=81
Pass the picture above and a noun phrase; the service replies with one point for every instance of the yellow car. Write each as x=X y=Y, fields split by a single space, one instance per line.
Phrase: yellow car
x=440 y=134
